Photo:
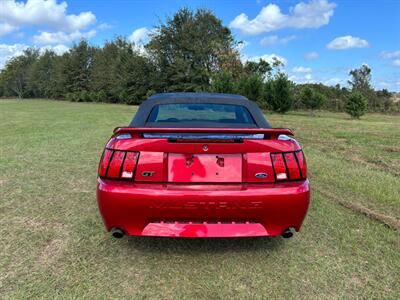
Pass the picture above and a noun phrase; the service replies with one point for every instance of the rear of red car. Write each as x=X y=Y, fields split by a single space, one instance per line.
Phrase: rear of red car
x=202 y=182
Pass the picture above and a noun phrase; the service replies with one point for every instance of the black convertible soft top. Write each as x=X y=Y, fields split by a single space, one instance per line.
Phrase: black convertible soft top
x=175 y=98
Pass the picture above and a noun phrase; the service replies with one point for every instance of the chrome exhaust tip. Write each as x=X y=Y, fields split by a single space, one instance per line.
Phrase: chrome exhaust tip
x=287 y=233
x=117 y=233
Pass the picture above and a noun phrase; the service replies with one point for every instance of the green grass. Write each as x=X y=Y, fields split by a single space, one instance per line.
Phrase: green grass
x=53 y=243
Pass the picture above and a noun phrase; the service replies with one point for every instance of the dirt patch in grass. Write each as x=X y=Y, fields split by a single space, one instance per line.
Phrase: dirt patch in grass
x=395 y=149
x=52 y=251
x=36 y=224
x=389 y=221
x=354 y=154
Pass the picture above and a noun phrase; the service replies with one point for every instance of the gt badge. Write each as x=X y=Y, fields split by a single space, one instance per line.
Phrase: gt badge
x=148 y=173
x=261 y=175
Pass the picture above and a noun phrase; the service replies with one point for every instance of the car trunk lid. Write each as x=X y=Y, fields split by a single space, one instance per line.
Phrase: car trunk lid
x=204 y=155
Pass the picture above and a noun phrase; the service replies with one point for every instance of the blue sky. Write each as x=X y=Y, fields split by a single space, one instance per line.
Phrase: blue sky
x=319 y=40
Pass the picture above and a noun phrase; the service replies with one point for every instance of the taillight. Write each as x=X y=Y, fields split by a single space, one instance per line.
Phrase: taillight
x=302 y=163
x=128 y=169
x=104 y=162
x=118 y=164
x=279 y=166
x=292 y=166
x=289 y=166
x=114 y=168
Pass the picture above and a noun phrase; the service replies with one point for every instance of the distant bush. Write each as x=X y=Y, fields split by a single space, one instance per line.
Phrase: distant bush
x=69 y=96
x=101 y=96
x=93 y=96
x=150 y=93
x=223 y=82
x=281 y=98
x=306 y=95
x=80 y=96
x=311 y=99
x=356 y=105
x=267 y=94
x=84 y=96
x=124 y=96
x=250 y=86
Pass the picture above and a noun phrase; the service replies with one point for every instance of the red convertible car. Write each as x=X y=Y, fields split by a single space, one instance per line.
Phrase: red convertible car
x=202 y=165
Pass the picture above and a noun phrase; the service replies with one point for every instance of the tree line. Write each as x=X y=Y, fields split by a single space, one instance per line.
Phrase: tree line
x=191 y=51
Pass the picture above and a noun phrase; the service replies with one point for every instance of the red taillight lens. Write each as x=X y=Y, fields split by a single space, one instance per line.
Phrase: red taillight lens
x=279 y=166
x=302 y=163
x=129 y=166
x=289 y=166
x=114 y=169
x=118 y=164
x=104 y=162
x=292 y=166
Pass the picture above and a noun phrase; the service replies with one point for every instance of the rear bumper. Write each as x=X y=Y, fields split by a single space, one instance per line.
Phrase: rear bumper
x=200 y=210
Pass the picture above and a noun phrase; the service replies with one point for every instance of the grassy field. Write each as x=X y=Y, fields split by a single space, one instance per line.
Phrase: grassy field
x=53 y=244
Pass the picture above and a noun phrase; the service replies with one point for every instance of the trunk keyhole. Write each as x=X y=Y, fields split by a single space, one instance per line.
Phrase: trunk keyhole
x=220 y=161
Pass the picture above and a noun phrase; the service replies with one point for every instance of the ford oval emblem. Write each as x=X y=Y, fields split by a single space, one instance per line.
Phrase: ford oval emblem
x=261 y=175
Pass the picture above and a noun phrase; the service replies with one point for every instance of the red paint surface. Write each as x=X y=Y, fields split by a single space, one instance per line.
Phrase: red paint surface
x=204 y=167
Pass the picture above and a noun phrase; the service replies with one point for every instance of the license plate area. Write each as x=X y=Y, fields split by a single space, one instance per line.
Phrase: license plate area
x=204 y=167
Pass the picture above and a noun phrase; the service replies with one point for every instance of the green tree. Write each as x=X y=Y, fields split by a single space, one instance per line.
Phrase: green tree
x=260 y=68
x=281 y=98
x=76 y=67
x=312 y=100
x=15 y=75
x=223 y=82
x=267 y=94
x=361 y=82
x=385 y=99
x=42 y=75
x=250 y=86
x=356 y=105
x=107 y=68
x=360 y=79
x=136 y=73
x=188 y=49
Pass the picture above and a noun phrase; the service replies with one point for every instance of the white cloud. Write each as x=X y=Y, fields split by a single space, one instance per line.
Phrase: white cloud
x=347 y=42
x=301 y=70
x=313 y=14
x=270 y=58
x=390 y=55
x=307 y=78
x=390 y=82
x=6 y=28
x=395 y=55
x=334 y=81
x=44 y=13
x=61 y=37
x=58 y=49
x=9 y=51
x=139 y=36
x=275 y=40
x=311 y=55
x=105 y=26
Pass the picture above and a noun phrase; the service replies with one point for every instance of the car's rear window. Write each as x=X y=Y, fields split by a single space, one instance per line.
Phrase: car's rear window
x=200 y=113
